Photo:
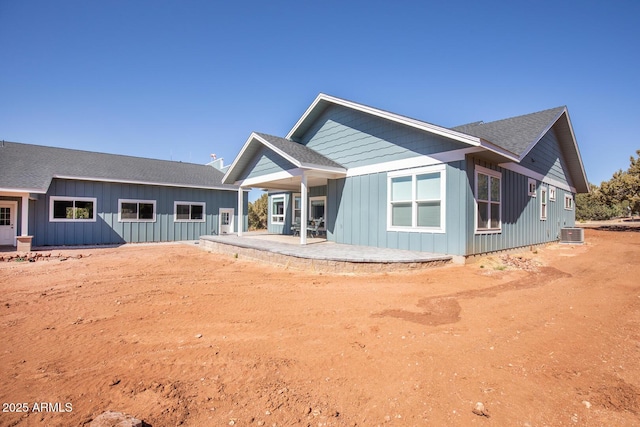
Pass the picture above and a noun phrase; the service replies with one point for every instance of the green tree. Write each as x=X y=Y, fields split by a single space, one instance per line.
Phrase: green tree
x=258 y=213
x=623 y=189
x=594 y=206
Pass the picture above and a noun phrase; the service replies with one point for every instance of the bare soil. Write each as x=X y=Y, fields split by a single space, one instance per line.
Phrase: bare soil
x=174 y=335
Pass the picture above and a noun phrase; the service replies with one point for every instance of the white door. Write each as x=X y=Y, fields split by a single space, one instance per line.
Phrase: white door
x=8 y=230
x=226 y=221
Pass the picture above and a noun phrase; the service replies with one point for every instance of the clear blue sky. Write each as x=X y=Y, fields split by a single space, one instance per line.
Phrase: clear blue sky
x=182 y=79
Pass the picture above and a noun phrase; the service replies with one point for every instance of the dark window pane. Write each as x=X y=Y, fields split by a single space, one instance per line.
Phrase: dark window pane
x=483 y=187
x=197 y=212
x=495 y=215
x=483 y=215
x=63 y=209
x=129 y=210
x=84 y=210
x=5 y=216
x=146 y=211
x=495 y=189
x=182 y=212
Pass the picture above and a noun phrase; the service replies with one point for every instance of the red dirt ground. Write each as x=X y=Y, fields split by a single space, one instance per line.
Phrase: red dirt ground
x=177 y=336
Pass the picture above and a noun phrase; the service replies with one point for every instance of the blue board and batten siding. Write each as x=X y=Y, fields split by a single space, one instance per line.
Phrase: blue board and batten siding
x=521 y=223
x=546 y=159
x=107 y=229
x=360 y=216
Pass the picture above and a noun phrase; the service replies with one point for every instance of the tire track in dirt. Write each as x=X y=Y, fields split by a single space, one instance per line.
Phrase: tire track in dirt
x=445 y=309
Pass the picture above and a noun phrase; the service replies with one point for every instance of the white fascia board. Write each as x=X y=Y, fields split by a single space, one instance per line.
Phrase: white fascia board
x=428 y=127
x=161 y=184
x=330 y=169
x=577 y=150
x=545 y=130
x=15 y=191
x=413 y=162
x=239 y=156
x=514 y=167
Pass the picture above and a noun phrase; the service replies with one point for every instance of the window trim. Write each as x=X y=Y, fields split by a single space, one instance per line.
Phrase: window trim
x=284 y=210
x=532 y=185
x=190 y=204
x=544 y=203
x=552 y=193
x=54 y=199
x=494 y=174
x=295 y=196
x=568 y=198
x=138 y=201
x=316 y=198
x=413 y=173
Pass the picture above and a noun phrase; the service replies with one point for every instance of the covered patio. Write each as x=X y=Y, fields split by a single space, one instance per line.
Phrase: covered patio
x=279 y=165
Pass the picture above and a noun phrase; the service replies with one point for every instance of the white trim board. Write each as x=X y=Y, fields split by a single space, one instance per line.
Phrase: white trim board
x=413 y=162
x=538 y=176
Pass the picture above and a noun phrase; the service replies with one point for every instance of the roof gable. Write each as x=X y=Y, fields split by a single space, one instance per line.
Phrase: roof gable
x=516 y=134
x=297 y=154
x=31 y=168
x=521 y=134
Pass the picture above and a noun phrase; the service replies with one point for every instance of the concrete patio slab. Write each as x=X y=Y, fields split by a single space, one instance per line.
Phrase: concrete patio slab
x=319 y=254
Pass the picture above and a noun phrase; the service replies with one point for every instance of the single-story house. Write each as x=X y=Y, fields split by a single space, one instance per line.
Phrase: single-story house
x=381 y=179
x=57 y=196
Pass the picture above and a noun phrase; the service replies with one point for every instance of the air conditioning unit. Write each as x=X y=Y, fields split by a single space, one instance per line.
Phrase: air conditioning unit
x=572 y=235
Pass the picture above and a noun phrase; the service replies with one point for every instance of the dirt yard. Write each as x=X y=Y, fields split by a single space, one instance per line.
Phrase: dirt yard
x=174 y=335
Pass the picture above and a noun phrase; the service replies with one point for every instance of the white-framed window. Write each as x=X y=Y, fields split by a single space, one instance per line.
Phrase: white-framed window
x=189 y=211
x=317 y=207
x=296 y=208
x=488 y=200
x=277 y=209
x=532 y=184
x=543 y=202
x=416 y=199
x=72 y=209
x=568 y=202
x=552 y=193
x=130 y=210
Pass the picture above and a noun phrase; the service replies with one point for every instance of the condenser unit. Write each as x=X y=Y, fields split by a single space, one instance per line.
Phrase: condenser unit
x=572 y=235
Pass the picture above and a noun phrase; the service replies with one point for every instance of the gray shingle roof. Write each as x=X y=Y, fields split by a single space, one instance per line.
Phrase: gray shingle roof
x=29 y=167
x=300 y=152
x=515 y=134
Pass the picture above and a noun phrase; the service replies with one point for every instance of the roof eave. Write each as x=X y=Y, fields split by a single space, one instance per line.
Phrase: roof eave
x=23 y=190
x=130 y=181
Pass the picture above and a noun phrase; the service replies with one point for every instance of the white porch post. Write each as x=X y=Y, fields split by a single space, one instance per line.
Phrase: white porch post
x=240 y=211
x=304 y=206
x=25 y=215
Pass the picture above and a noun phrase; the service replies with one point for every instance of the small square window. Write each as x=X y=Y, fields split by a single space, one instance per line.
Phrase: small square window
x=532 y=187
x=552 y=193
x=543 y=202
x=568 y=202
